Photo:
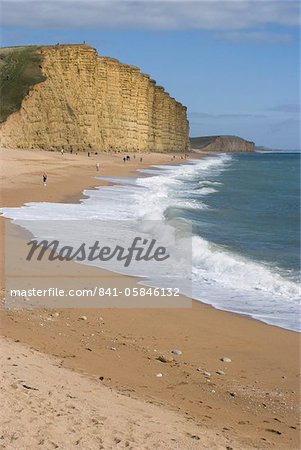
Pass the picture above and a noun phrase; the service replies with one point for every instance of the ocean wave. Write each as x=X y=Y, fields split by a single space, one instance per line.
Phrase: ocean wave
x=167 y=187
x=214 y=264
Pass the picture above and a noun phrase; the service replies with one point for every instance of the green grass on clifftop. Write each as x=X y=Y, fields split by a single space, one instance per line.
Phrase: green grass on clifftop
x=20 y=69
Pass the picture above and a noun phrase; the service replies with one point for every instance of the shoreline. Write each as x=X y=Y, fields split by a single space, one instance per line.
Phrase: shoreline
x=75 y=197
x=204 y=334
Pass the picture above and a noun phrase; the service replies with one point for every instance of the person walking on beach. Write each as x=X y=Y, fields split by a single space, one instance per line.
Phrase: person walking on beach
x=45 y=179
x=97 y=167
x=62 y=152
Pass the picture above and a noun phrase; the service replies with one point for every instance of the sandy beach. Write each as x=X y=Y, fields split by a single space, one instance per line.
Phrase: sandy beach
x=98 y=377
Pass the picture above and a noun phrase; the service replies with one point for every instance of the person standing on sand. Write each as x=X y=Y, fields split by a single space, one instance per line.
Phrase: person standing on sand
x=97 y=167
x=62 y=152
x=45 y=178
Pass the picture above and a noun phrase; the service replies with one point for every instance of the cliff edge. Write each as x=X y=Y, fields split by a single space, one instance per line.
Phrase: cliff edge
x=68 y=97
x=222 y=144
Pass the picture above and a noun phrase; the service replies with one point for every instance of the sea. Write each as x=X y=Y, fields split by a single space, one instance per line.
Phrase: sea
x=243 y=210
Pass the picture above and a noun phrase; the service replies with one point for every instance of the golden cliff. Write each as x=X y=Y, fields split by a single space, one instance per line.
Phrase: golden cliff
x=91 y=102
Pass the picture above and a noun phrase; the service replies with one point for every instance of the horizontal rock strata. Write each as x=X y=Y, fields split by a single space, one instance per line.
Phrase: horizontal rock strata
x=92 y=102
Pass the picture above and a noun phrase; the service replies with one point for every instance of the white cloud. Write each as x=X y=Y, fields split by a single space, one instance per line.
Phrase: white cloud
x=166 y=15
x=288 y=108
x=256 y=36
x=200 y=115
x=287 y=125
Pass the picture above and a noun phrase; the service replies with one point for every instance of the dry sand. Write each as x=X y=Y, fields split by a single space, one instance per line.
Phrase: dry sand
x=47 y=406
x=254 y=404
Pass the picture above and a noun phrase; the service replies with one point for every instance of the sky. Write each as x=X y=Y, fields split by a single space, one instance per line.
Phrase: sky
x=234 y=64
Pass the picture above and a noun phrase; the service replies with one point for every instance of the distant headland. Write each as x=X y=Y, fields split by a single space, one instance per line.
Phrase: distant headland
x=222 y=144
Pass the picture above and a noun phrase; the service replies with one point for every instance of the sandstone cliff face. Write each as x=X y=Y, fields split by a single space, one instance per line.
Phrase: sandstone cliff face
x=91 y=102
x=222 y=144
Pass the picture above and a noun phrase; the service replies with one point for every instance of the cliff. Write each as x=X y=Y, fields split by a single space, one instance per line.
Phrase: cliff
x=222 y=144
x=75 y=99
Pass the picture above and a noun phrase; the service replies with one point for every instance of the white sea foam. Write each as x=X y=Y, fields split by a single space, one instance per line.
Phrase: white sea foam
x=220 y=267
x=206 y=190
x=220 y=277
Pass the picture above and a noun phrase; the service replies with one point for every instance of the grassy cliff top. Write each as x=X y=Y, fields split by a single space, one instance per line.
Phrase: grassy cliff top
x=20 y=70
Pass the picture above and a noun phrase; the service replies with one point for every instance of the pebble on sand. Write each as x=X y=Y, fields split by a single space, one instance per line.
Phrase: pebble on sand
x=176 y=352
x=165 y=359
x=83 y=318
x=207 y=374
x=159 y=375
x=226 y=359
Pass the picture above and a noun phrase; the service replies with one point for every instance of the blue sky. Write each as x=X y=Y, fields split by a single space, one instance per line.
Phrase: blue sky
x=234 y=64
